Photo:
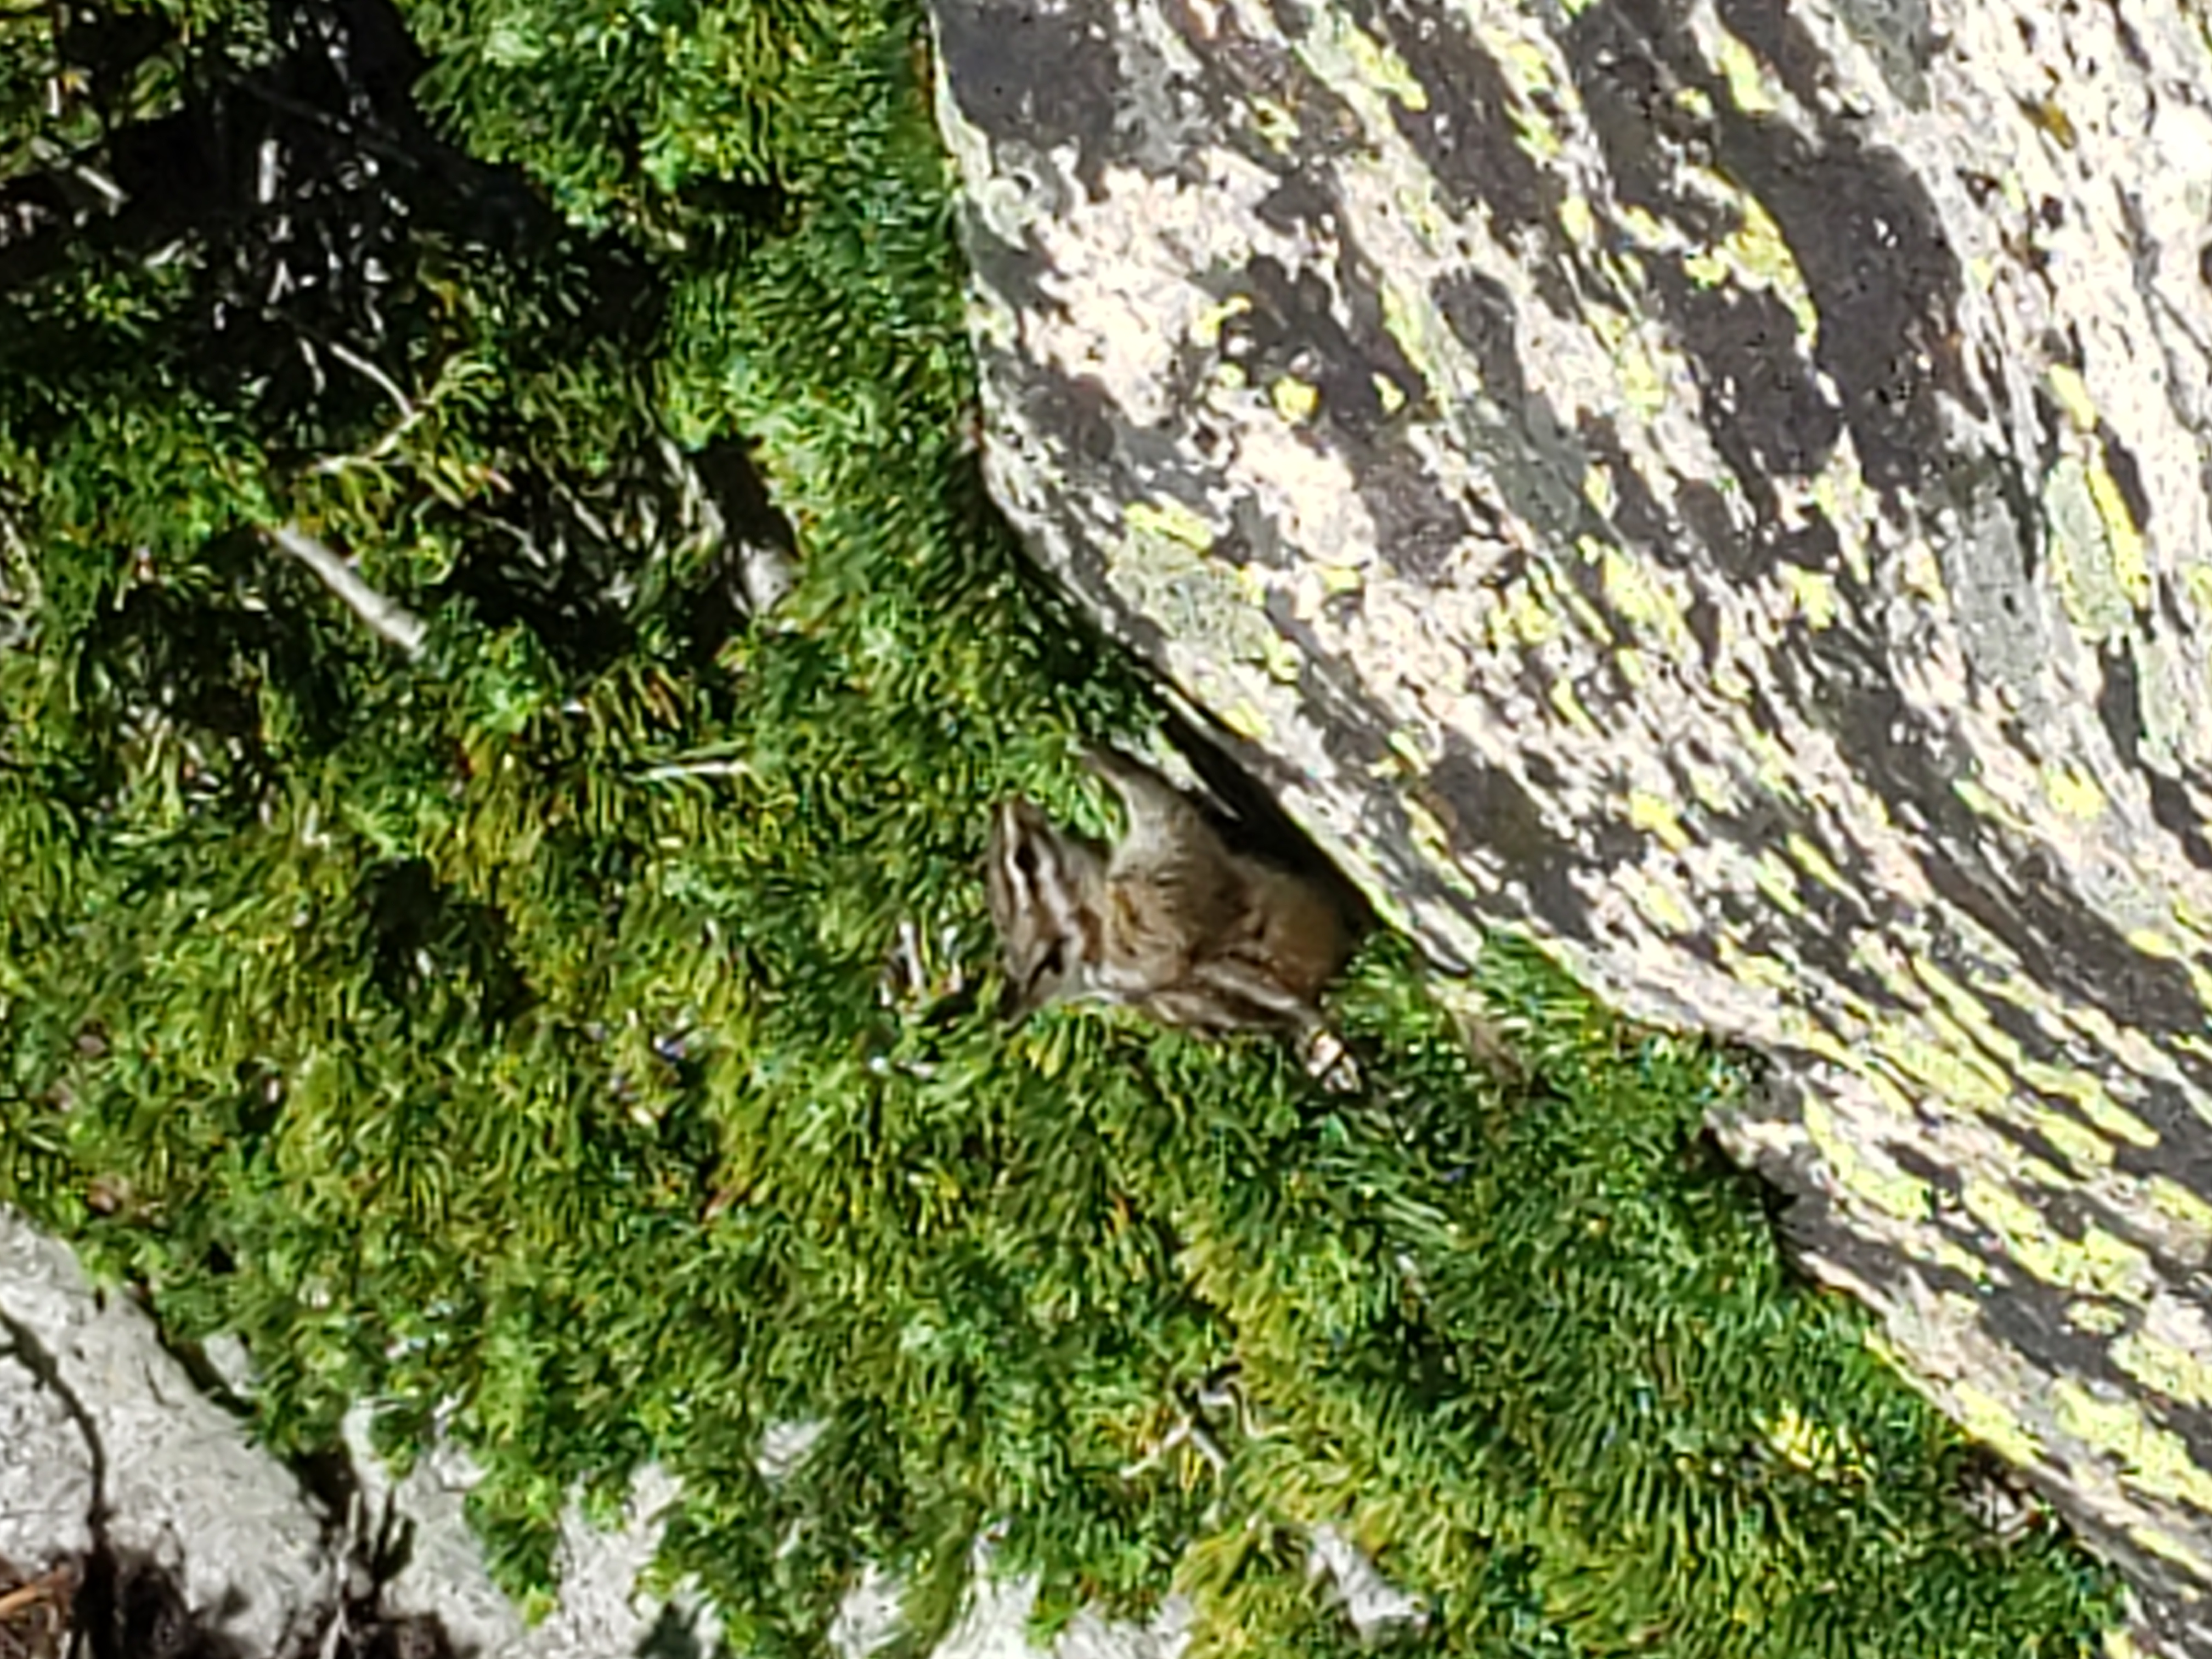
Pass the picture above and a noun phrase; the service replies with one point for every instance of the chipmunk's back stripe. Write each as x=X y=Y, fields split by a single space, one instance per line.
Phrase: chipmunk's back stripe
x=1174 y=921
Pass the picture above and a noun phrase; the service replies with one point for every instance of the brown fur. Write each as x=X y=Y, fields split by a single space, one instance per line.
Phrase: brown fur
x=1174 y=922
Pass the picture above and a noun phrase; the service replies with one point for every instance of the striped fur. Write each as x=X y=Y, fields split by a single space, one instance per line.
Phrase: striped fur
x=1174 y=922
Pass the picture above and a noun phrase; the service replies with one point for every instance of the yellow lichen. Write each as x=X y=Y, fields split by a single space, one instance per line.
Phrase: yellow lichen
x=1276 y=126
x=1597 y=488
x=1961 y=1041
x=1966 y=1009
x=1413 y=324
x=1434 y=839
x=1952 y=1257
x=1421 y=212
x=1170 y=520
x=1983 y=803
x=2073 y=792
x=2196 y=580
x=2172 y=1372
x=1762 y=254
x=1523 y=56
x=2098 y=1318
x=1415 y=746
x=1983 y=1416
x=2152 y=943
x=1338 y=50
x=1316 y=582
x=2130 y=564
x=1576 y=221
x=1814 y=596
x=1561 y=695
x=2099 y=1263
x=1747 y=76
x=2090 y=576
x=1654 y=815
x=1643 y=225
x=2082 y=1146
x=2179 y=1205
x=1641 y=599
x=1881 y=1184
x=1538 y=139
x=2072 y=392
x=1207 y=330
x=1643 y=388
x=1755 y=968
x=1777 y=881
x=1711 y=787
x=1818 y=1041
x=2155 y=1542
x=1242 y=715
x=2091 y=1096
x=1814 y=863
x=1527 y=616
x=1294 y=400
x=1659 y=905
x=1949 y=1076
x=2157 y=1460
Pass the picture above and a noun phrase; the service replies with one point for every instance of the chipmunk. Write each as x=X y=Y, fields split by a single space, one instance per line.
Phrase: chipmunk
x=1172 y=921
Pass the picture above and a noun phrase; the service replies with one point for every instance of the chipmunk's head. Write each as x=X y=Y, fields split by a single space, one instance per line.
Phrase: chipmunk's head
x=1046 y=887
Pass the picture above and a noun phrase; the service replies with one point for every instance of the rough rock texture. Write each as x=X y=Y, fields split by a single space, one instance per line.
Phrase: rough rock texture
x=106 y=1439
x=1722 y=487
x=119 y=1442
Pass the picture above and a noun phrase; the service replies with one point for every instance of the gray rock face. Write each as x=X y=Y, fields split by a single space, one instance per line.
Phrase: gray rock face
x=1722 y=488
x=116 y=1435
x=102 y=1431
x=45 y=1467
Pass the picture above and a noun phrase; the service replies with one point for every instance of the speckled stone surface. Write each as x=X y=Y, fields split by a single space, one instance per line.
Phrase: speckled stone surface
x=1721 y=489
